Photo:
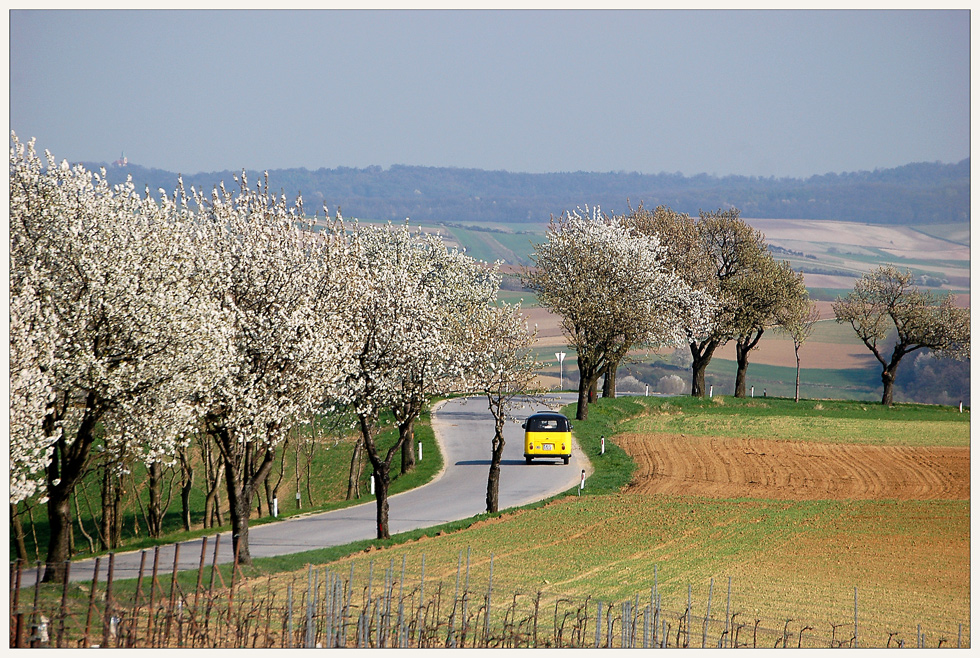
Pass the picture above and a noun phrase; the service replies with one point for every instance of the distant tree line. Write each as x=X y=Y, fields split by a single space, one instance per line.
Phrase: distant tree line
x=918 y=193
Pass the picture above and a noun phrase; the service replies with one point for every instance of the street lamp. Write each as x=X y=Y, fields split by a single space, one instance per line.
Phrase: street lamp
x=561 y=357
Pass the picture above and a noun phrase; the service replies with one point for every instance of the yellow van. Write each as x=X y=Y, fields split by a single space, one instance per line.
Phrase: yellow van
x=547 y=434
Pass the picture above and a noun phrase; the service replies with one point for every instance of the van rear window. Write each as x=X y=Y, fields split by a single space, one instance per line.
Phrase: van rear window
x=547 y=425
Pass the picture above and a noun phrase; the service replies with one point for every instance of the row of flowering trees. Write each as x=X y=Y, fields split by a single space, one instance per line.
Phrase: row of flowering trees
x=135 y=321
x=660 y=278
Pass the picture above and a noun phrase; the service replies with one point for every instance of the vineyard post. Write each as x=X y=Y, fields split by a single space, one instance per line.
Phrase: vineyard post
x=451 y=640
x=289 y=616
x=387 y=592
x=370 y=588
x=153 y=591
x=346 y=612
x=728 y=610
x=330 y=602
x=310 y=602
x=91 y=598
x=173 y=590
x=15 y=570
x=707 y=615
x=35 y=621
x=855 y=617
x=107 y=613
x=200 y=573
x=687 y=621
x=137 y=595
x=402 y=635
x=655 y=600
x=63 y=613
x=466 y=595
x=598 y=624
x=486 y=633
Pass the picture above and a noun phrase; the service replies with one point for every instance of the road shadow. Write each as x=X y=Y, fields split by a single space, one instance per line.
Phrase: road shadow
x=506 y=462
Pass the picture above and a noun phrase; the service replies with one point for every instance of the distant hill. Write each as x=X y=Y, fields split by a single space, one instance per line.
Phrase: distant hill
x=919 y=193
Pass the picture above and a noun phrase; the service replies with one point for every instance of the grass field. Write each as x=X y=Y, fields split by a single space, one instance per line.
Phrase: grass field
x=799 y=559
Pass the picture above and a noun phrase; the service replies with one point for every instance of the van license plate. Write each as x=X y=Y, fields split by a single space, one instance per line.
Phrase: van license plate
x=549 y=446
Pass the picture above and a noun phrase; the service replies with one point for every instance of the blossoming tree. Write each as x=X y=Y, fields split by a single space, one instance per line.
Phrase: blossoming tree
x=613 y=289
x=408 y=322
x=285 y=292
x=107 y=329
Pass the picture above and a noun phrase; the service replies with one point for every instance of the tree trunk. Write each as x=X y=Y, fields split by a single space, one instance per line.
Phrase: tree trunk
x=155 y=507
x=743 y=346
x=212 y=502
x=59 y=522
x=382 y=470
x=117 y=517
x=701 y=354
x=594 y=390
x=18 y=529
x=354 y=478
x=797 y=350
x=742 y=361
x=888 y=382
x=382 y=478
x=239 y=509
x=493 y=481
x=186 y=487
x=582 y=407
x=67 y=467
x=212 y=476
x=245 y=472
x=609 y=381
x=406 y=434
x=107 y=523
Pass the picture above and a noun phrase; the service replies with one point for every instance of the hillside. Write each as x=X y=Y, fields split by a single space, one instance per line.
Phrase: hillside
x=919 y=193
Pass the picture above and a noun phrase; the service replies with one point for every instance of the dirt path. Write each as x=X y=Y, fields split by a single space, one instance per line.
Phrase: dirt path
x=789 y=470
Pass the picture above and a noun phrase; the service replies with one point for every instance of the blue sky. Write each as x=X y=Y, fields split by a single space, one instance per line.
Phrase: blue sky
x=763 y=93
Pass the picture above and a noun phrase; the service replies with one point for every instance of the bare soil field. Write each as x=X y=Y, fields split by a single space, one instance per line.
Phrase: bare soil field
x=723 y=467
x=901 y=241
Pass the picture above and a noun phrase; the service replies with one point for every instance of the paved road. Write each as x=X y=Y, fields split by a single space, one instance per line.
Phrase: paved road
x=464 y=429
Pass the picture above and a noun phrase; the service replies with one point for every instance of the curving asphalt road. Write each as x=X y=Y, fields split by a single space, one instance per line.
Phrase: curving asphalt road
x=464 y=430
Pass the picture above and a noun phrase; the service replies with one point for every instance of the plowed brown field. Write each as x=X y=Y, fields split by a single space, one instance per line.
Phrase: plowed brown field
x=789 y=470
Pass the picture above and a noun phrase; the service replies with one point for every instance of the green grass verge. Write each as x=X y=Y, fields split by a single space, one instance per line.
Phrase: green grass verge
x=828 y=421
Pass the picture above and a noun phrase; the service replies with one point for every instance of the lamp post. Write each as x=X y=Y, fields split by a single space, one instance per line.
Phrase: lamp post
x=561 y=357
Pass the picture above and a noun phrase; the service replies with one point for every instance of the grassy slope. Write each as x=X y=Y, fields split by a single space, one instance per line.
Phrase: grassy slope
x=331 y=466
